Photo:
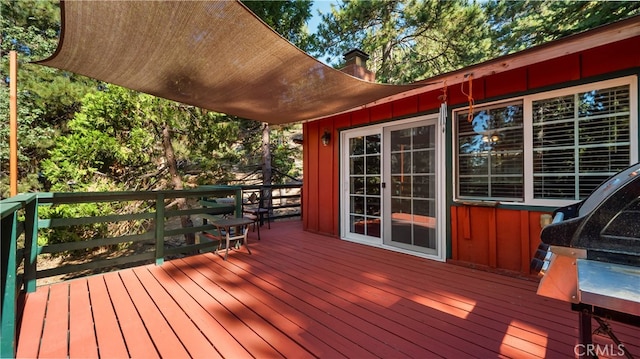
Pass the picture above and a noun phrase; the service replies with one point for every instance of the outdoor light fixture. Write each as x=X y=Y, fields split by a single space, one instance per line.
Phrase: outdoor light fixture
x=326 y=138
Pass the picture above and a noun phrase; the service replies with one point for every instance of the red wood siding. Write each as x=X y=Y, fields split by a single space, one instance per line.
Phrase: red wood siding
x=562 y=69
x=430 y=100
x=460 y=93
x=604 y=59
x=321 y=175
x=326 y=173
x=360 y=117
x=405 y=106
x=513 y=81
x=508 y=247
x=494 y=237
x=311 y=140
x=381 y=112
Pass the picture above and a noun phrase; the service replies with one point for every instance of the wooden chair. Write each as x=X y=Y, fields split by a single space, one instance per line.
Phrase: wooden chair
x=256 y=214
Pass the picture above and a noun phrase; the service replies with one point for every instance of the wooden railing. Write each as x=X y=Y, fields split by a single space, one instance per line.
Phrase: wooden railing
x=286 y=199
x=21 y=226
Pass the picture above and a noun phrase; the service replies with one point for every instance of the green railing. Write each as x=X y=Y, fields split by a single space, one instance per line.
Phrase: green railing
x=21 y=224
x=286 y=199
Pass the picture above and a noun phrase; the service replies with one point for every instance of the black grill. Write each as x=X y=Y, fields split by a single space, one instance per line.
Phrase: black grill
x=590 y=255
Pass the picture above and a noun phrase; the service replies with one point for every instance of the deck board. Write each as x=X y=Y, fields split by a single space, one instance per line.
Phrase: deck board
x=32 y=323
x=349 y=308
x=54 y=342
x=224 y=343
x=309 y=304
x=227 y=310
x=300 y=295
x=136 y=338
x=108 y=334
x=275 y=343
x=410 y=321
x=82 y=336
x=324 y=343
x=196 y=344
x=163 y=336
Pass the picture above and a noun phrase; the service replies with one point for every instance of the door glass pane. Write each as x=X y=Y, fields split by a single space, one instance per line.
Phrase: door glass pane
x=373 y=165
x=357 y=165
x=401 y=186
x=423 y=162
x=356 y=185
x=356 y=145
x=400 y=140
x=424 y=186
x=373 y=206
x=364 y=185
x=413 y=187
x=373 y=144
x=357 y=224
x=424 y=137
x=357 y=204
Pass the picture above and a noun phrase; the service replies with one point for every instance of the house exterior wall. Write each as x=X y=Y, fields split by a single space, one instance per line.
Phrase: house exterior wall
x=501 y=237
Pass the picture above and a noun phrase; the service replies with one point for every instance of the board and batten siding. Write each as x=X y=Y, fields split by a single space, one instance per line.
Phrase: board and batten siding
x=500 y=238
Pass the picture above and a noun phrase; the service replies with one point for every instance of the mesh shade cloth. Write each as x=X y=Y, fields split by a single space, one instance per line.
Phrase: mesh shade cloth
x=216 y=55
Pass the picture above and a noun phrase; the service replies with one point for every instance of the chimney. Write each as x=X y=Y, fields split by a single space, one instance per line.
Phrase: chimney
x=356 y=65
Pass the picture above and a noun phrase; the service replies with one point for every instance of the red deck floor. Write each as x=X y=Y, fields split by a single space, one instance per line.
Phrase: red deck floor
x=300 y=295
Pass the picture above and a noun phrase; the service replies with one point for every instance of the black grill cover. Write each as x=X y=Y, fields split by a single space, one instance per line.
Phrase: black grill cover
x=607 y=223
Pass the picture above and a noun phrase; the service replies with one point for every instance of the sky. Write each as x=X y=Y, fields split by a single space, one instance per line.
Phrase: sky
x=323 y=6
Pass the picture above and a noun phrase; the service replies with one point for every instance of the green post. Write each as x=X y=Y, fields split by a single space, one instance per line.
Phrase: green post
x=31 y=244
x=238 y=202
x=160 y=228
x=8 y=236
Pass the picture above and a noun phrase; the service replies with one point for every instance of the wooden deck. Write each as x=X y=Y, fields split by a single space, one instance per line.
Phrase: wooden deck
x=300 y=295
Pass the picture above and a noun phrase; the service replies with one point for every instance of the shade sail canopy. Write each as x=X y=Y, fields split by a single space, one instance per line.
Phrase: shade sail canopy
x=212 y=54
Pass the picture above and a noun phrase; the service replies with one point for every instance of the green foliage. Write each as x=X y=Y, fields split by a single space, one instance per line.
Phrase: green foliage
x=284 y=160
x=286 y=17
x=47 y=98
x=74 y=233
x=517 y=25
x=410 y=40
x=406 y=40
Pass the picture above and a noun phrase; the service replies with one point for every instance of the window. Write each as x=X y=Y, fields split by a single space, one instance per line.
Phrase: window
x=551 y=148
x=490 y=153
x=579 y=141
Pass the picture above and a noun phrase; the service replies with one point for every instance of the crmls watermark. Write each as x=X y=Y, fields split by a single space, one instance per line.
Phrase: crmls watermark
x=595 y=350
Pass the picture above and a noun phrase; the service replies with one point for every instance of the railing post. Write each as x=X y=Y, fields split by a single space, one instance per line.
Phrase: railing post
x=239 y=202
x=8 y=240
x=159 y=228
x=266 y=196
x=30 y=244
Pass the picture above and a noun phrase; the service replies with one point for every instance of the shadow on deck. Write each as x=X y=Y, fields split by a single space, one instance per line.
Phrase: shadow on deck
x=300 y=295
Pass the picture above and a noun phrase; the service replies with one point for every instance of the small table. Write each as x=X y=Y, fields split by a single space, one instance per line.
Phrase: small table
x=241 y=225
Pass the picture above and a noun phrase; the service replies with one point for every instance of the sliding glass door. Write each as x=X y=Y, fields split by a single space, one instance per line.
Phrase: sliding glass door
x=390 y=186
x=411 y=172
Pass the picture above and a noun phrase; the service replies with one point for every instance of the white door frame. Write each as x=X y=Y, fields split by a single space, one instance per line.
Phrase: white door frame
x=345 y=234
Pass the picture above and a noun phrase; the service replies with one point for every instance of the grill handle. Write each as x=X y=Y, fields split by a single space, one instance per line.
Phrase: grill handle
x=559 y=217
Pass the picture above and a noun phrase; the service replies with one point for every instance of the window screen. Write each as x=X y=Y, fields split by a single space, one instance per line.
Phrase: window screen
x=579 y=141
x=490 y=153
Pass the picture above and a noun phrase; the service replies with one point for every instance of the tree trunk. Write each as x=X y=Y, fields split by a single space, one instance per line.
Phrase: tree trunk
x=176 y=181
x=266 y=167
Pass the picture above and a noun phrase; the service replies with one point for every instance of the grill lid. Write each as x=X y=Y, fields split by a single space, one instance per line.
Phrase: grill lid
x=607 y=223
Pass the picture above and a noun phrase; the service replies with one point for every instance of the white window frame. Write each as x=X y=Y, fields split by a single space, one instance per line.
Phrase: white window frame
x=529 y=200
x=488 y=106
